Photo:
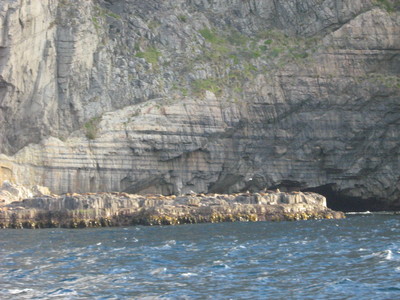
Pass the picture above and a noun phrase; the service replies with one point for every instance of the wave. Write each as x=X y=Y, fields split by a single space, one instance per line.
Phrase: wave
x=373 y=213
x=158 y=271
x=385 y=255
x=19 y=291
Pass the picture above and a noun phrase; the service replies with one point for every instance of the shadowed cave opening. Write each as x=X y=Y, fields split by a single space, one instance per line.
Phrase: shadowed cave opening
x=338 y=201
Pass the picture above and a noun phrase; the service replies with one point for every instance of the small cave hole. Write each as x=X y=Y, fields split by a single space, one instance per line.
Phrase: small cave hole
x=338 y=201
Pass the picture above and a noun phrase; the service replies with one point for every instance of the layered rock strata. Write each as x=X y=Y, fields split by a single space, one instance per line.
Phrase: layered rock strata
x=211 y=96
x=122 y=209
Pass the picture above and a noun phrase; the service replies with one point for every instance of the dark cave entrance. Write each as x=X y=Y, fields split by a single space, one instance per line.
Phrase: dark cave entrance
x=337 y=201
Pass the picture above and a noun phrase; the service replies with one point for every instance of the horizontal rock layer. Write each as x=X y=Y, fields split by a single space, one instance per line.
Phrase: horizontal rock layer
x=112 y=209
x=209 y=96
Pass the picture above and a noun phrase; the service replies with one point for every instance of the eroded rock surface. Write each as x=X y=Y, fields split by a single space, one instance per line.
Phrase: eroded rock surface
x=209 y=96
x=116 y=209
x=10 y=192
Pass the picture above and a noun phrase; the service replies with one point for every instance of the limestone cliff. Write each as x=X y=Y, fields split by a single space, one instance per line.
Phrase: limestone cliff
x=211 y=96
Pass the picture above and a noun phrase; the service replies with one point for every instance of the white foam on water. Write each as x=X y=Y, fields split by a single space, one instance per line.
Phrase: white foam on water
x=19 y=291
x=189 y=274
x=220 y=264
x=217 y=262
x=158 y=271
x=359 y=213
x=118 y=249
x=343 y=281
x=191 y=248
x=389 y=255
x=384 y=255
x=253 y=262
x=263 y=279
x=165 y=247
x=118 y=271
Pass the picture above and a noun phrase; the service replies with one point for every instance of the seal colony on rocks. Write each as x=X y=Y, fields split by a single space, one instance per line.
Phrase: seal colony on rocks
x=123 y=209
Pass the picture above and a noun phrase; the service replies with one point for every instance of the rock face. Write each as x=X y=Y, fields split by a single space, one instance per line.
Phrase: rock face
x=210 y=96
x=10 y=192
x=116 y=209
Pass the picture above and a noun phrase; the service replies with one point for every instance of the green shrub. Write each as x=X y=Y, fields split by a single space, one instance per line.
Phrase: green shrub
x=210 y=84
x=211 y=37
x=276 y=51
x=96 y=23
x=235 y=59
x=91 y=128
x=182 y=18
x=151 y=55
x=388 y=5
x=237 y=39
x=300 y=55
x=208 y=35
x=153 y=24
x=112 y=15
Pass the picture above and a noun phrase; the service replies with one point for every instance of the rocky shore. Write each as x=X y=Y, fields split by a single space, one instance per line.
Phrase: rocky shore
x=123 y=209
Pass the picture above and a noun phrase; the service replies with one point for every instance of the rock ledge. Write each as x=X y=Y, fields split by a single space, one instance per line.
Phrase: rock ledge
x=122 y=209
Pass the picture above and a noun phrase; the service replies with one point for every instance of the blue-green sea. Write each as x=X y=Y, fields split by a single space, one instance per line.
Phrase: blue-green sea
x=354 y=258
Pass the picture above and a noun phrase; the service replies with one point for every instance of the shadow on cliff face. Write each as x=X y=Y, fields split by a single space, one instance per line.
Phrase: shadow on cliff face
x=338 y=201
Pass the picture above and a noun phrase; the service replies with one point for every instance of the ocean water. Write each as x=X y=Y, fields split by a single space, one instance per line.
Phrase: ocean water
x=354 y=258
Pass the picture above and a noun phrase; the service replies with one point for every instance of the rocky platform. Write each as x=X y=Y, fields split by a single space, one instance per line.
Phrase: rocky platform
x=123 y=209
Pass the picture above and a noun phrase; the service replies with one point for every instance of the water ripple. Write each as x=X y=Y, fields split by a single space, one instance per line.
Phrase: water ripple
x=353 y=258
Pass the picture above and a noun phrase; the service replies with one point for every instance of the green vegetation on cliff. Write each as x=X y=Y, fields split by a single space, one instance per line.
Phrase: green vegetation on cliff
x=236 y=58
x=389 y=5
x=91 y=128
x=151 y=55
